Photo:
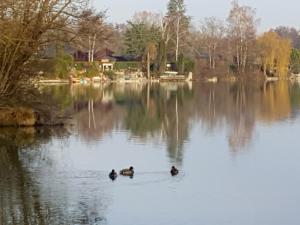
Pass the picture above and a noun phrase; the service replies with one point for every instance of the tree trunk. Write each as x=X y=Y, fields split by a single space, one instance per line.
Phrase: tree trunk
x=148 y=96
x=89 y=50
x=177 y=39
x=213 y=57
x=265 y=69
x=93 y=48
x=148 y=65
x=238 y=58
x=162 y=55
x=210 y=57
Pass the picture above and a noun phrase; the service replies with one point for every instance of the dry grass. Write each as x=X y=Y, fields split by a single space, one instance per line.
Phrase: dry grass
x=17 y=116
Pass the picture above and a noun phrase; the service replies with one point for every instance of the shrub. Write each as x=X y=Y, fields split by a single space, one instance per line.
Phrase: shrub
x=130 y=65
x=185 y=64
x=92 y=70
x=110 y=74
x=63 y=63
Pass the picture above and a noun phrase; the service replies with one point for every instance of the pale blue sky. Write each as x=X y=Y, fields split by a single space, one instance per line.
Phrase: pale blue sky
x=272 y=12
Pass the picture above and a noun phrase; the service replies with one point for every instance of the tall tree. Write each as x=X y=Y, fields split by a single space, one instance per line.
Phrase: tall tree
x=150 y=55
x=291 y=33
x=242 y=25
x=25 y=27
x=164 y=27
x=210 y=34
x=137 y=36
x=295 y=61
x=179 y=23
x=93 y=32
x=275 y=53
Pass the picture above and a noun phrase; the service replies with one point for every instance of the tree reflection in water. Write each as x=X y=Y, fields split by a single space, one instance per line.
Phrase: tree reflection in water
x=23 y=199
x=164 y=112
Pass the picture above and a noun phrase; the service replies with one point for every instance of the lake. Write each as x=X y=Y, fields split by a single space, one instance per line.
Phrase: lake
x=235 y=145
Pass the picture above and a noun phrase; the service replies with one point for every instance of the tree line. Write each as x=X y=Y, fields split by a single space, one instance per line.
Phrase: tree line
x=31 y=29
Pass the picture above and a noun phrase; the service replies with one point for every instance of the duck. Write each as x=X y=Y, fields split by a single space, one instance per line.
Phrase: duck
x=174 y=171
x=113 y=175
x=127 y=172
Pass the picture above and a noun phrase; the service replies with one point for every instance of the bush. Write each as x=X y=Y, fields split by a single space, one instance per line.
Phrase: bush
x=80 y=66
x=130 y=65
x=62 y=64
x=295 y=61
x=184 y=64
x=92 y=70
x=110 y=74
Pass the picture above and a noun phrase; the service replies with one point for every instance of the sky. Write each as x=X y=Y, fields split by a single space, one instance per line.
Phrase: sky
x=272 y=13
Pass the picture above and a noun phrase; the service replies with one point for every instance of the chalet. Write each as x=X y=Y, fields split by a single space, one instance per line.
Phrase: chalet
x=104 y=58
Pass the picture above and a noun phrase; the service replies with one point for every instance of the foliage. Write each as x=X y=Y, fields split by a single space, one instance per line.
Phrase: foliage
x=274 y=53
x=176 y=6
x=138 y=35
x=210 y=34
x=25 y=28
x=242 y=32
x=161 y=57
x=92 y=70
x=80 y=66
x=295 y=61
x=93 y=32
x=291 y=33
x=110 y=74
x=185 y=64
x=178 y=23
x=128 y=65
x=151 y=49
x=149 y=56
x=62 y=63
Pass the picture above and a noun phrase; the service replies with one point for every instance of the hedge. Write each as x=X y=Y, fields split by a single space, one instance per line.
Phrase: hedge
x=127 y=65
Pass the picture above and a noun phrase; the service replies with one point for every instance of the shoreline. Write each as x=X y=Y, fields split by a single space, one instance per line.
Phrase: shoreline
x=20 y=116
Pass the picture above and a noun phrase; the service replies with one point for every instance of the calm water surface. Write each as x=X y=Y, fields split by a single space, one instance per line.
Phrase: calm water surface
x=236 y=145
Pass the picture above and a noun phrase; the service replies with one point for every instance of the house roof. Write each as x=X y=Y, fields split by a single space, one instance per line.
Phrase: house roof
x=103 y=53
x=98 y=56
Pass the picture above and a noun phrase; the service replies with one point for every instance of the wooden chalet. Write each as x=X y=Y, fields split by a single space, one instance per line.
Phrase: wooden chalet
x=103 y=57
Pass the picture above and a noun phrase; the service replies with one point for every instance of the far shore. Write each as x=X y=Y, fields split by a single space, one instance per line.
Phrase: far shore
x=211 y=79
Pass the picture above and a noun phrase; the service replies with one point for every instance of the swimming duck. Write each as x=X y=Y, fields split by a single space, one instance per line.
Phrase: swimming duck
x=127 y=172
x=113 y=175
x=174 y=171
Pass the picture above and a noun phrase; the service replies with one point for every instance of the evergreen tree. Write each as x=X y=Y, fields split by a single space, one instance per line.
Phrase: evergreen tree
x=176 y=7
x=179 y=24
x=137 y=37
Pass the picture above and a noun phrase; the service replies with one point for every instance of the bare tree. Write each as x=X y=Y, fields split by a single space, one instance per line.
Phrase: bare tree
x=289 y=32
x=146 y=17
x=93 y=32
x=210 y=34
x=179 y=23
x=24 y=28
x=242 y=26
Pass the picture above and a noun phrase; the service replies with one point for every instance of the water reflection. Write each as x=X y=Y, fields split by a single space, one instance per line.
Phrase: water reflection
x=39 y=183
x=153 y=111
x=30 y=194
x=166 y=112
